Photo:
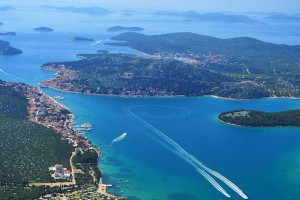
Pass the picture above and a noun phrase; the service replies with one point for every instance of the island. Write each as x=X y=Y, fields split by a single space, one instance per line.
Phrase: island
x=42 y=156
x=122 y=28
x=1 y=24
x=129 y=75
x=43 y=29
x=81 y=39
x=214 y=17
x=8 y=34
x=184 y=64
x=256 y=69
x=6 y=49
x=252 y=118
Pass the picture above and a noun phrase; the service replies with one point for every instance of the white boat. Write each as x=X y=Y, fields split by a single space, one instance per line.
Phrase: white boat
x=59 y=97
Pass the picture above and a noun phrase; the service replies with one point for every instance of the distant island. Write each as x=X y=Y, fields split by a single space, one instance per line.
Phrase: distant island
x=81 y=39
x=214 y=17
x=253 y=118
x=8 y=33
x=84 y=10
x=6 y=49
x=122 y=28
x=6 y=8
x=43 y=29
x=1 y=24
x=284 y=17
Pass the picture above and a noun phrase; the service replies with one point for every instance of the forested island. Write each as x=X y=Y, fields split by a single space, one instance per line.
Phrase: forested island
x=122 y=28
x=8 y=33
x=130 y=75
x=257 y=69
x=6 y=49
x=185 y=64
x=81 y=39
x=252 y=118
x=35 y=135
x=43 y=29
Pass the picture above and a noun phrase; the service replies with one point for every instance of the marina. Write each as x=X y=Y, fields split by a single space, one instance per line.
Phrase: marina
x=152 y=170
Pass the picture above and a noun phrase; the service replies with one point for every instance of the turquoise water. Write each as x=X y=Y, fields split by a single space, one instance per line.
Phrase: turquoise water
x=264 y=163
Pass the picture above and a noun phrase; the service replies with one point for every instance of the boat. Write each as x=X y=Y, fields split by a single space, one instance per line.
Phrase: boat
x=59 y=97
x=83 y=127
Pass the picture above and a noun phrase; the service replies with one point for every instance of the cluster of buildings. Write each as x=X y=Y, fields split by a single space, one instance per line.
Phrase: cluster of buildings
x=59 y=172
x=195 y=59
x=46 y=111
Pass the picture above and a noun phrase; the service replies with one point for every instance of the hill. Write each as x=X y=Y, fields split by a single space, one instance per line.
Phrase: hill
x=122 y=28
x=6 y=49
x=27 y=149
x=122 y=74
x=185 y=64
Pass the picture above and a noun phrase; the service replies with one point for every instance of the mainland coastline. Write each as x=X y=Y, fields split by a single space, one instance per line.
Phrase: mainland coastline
x=46 y=111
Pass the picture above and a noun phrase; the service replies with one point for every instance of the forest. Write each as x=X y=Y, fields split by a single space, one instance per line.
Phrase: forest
x=6 y=49
x=187 y=64
x=254 y=118
x=27 y=149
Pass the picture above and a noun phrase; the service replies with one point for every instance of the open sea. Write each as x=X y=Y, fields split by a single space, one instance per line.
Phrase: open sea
x=153 y=162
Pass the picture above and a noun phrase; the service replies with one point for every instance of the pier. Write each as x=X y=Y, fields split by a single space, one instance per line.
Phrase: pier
x=102 y=189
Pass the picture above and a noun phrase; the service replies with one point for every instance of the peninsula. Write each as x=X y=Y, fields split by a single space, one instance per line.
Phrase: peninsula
x=6 y=49
x=252 y=118
x=43 y=29
x=122 y=28
x=36 y=138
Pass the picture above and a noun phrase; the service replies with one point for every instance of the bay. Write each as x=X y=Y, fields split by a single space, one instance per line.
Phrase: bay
x=264 y=163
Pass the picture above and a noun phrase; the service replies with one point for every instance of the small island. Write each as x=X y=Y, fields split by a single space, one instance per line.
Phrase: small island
x=6 y=49
x=122 y=28
x=252 y=118
x=81 y=39
x=1 y=24
x=8 y=34
x=43 y=29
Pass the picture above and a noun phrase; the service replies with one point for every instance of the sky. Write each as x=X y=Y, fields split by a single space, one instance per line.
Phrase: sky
x=288 y=6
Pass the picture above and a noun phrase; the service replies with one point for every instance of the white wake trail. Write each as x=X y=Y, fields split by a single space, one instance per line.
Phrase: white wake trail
x=200 y=167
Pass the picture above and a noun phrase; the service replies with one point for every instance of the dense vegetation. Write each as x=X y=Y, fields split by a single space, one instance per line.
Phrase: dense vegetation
x=122 y=28
x=81 y=39
x=262 y=119
x=27 y=149
x=21 y=192
x=87 y=162
x=259 y=69
x=8 y=33
x=5 y=49
x=252 y=52
x=43 y=29
x=121 y=74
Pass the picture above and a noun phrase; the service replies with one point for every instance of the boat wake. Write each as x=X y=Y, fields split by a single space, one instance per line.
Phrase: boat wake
x=97 y=42
x=11 y=75
x=174 y=147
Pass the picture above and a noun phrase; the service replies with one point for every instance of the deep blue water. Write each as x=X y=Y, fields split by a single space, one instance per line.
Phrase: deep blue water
x=264 y=163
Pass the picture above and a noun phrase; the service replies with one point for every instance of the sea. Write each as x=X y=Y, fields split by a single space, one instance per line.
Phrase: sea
x=168 y=139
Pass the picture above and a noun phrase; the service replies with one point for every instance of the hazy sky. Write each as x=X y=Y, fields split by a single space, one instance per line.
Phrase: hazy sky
x=198 y=5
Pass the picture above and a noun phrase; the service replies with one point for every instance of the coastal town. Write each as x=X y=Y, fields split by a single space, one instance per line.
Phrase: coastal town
x=81 y=180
